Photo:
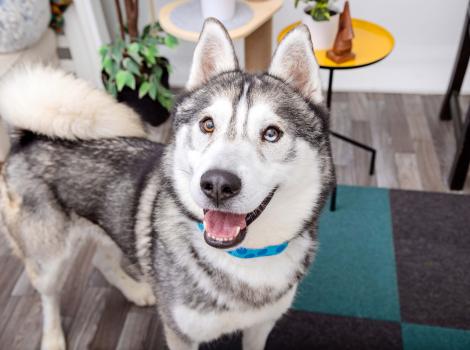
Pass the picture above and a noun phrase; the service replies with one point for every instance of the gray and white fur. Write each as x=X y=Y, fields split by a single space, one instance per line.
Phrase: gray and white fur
x=81 y=168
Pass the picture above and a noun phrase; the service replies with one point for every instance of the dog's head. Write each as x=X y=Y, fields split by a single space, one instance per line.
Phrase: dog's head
x=252 y=156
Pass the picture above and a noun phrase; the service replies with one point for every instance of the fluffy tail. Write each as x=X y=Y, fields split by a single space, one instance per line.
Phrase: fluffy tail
x=53 y=103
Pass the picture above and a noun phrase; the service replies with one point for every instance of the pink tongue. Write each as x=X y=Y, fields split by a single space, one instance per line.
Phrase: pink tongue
x=223 y=225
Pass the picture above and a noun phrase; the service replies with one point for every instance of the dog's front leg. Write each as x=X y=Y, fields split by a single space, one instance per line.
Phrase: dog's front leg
x=254 y=338
x=52 y=334
x=175 y=342
x=46 y=280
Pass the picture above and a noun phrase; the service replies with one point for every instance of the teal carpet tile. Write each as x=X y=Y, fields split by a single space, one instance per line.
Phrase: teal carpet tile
x=354 y=271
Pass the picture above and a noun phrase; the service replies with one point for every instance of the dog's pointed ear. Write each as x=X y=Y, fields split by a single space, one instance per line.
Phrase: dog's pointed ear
x=295 y=63
x=213 y=55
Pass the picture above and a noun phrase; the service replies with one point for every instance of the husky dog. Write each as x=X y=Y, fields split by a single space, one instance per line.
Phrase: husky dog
x=219 y=226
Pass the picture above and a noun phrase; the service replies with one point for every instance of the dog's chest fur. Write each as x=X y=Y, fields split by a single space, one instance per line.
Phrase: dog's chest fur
x=203 y=326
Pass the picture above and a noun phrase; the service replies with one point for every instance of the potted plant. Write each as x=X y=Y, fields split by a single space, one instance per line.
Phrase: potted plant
x=321 y=17
x=134 y=72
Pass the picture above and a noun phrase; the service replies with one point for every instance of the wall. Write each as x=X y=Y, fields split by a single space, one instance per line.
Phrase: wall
x=427 y=33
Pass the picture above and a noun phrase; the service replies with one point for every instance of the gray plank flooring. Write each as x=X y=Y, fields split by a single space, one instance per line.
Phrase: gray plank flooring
x=415 y=152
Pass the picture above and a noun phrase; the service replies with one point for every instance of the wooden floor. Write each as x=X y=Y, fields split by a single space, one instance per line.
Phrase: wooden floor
x=415 y=151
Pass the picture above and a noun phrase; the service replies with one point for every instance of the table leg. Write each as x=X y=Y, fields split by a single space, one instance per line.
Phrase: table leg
x=328 y=105
x=258 y=48
x=458 y=74
x=461 y=162
x=330 y=89
x=372 y=150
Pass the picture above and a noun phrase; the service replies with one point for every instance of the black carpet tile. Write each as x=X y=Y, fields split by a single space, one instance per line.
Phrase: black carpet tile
x=432 y=248
x=302 y=330
x=305 y=330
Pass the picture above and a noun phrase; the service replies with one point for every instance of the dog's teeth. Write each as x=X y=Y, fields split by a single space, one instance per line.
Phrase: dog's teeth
x=238 y=230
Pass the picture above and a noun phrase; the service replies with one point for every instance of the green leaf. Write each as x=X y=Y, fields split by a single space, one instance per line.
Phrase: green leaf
x=116 y=53
x=320 y=13
x=153 y=90
x=133 y=51
x=111 y=87
x=152 y=41
x=133 y=47
x=165 y=97
x=171 y=41
x=131 y=66
x=103 y=51
x=124 y=78
x=149 y=53
x=113 y=90
x=152 y=52
x=108 y=65
x=144 y=89
x=157 y=26
x=157 y=73
x=131 y=82
x=146 y=30
x=136 y=57
x=121 y=78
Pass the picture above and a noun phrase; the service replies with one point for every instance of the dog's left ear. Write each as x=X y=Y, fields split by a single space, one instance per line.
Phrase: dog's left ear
x=294 y=62
x=213 y=55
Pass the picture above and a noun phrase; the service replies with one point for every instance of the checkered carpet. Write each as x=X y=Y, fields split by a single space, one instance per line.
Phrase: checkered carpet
x=392 y=272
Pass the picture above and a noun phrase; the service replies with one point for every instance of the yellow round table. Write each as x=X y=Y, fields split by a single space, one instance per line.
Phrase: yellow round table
x=371 y=44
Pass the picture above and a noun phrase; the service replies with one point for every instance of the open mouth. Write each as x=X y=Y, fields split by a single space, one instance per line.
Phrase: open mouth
x=226 y=230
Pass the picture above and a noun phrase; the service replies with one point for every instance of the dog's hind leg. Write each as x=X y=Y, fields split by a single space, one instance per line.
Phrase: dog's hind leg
x=38 y=237
x=108 y=261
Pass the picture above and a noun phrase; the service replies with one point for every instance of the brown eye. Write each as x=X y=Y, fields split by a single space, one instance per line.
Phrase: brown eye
x=207 y=125
x=272 y=134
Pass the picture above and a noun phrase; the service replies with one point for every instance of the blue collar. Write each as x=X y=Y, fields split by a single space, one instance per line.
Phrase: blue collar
x=248 y=253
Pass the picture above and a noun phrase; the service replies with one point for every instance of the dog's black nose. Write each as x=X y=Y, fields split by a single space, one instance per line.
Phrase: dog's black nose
x=220 y=185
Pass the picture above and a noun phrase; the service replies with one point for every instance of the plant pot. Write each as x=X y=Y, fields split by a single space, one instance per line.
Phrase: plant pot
x=151 y=112
x=221 y=9
x=323 y=32
x=22 y=23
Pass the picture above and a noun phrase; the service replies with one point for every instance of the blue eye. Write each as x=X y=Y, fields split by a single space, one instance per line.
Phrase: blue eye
x=207 y=125
x=272 y=134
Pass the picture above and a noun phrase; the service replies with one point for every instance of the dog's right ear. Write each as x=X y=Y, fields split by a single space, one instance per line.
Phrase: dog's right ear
x=213 y=55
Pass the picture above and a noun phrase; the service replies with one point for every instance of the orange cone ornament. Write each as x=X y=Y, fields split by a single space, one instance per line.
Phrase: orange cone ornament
x=342 y=48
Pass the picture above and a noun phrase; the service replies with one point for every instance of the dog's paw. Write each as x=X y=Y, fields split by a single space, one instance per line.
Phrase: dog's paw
x=141 y=295
x=53 y=340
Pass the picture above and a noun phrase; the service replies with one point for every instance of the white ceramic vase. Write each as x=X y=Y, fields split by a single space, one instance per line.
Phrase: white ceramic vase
x=22 y=23
x=221 y=9
x=323 y=32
